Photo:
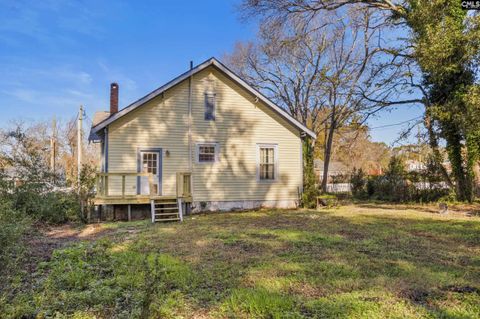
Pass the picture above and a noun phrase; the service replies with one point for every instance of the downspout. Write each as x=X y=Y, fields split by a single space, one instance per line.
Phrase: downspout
x=302 y=164
x=190 y=123
x=190 y=119
x=300 y=187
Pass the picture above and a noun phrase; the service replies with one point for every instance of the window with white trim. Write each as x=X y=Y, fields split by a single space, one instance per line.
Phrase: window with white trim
x=210 y=106
x=207 y=152
x=267 y=162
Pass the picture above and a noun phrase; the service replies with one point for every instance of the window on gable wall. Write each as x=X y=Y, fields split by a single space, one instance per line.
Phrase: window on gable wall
x=210 y=106
x=266 y=162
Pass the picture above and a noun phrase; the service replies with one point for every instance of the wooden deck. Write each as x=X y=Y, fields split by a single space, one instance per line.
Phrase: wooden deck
x=103 y=196
x=138 y=199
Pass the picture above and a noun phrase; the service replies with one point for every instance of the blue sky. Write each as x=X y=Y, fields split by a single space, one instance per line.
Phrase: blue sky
x=58 y=54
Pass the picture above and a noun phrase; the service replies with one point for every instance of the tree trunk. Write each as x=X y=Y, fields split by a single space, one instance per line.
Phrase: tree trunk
x=310 y=191
x=471 y=158
x=454 y=148
x=437 y=157
x=327 y=153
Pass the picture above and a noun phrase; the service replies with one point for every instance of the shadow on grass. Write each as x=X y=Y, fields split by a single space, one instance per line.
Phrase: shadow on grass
x=385 y=205
x=270 y=264
x=411 y=259
x=471 y=210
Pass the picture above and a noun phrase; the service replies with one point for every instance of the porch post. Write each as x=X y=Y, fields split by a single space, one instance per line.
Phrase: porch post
x=152 y=208
x=180 y=209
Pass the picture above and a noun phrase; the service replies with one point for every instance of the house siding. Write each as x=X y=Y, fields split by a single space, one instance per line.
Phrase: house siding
x=240 y=124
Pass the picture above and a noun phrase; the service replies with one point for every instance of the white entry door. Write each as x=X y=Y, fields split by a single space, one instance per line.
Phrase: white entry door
x=150 y=164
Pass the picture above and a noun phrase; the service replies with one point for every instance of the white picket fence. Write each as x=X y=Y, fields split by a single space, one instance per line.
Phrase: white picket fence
x=427 y=185
x=339 y=188
x=347 y=187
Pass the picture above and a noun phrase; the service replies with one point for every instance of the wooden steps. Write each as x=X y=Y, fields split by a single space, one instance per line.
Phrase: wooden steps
x=166 y=209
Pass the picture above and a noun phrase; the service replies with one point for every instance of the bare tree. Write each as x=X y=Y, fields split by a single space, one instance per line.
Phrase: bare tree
x=324 y=70
x=286 y=65
x=24 y=145
x=442 y=43
x=285 y=8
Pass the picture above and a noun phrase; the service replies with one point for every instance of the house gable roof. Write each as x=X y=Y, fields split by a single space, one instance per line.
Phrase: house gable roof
x=210 y=62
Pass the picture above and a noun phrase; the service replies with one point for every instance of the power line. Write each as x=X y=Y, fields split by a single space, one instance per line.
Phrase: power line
x=88 y=118
x=396 y=124
x=73 y=126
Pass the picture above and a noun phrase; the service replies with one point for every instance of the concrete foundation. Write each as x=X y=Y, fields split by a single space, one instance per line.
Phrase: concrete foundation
x=200 y=206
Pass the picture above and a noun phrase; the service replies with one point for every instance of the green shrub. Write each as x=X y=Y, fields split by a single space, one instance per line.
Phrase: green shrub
x=391 y=186
x=50 y=207
x=59 y=207
x=449 y=198
x=27 y=181
x=39 y=201
x=309 y=197
x=358 y=182
x=13 y=226
x=397 y=185
x=370 y=187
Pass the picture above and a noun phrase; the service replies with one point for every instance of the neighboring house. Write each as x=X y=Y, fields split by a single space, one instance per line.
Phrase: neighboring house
x=414 y=166
x=374 y=169
x=205 y=140
x=334 y=169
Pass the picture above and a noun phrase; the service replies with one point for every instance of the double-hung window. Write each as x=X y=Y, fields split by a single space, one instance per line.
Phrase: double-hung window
x=267 y=162
x=207 y=152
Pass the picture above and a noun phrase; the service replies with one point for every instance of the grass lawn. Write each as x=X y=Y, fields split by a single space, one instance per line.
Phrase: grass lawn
x=350 y=262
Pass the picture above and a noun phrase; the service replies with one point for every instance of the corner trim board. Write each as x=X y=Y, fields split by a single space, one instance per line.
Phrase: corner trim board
x=106 y=150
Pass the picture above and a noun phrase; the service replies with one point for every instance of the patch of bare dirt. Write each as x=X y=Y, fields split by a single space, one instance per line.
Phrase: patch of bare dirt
x=416 y=295
x=462 y=289
x=307 y=290
x=48 y=238
x=45 y=239
x=69 y=232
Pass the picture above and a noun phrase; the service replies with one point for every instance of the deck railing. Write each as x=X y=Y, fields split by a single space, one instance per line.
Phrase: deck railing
x=122 y=188
x=104 y=179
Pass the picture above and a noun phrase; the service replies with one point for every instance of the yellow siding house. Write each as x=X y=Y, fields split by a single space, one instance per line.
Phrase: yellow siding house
x=206 y=138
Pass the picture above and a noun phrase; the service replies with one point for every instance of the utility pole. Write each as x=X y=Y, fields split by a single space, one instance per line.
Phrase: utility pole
x=53 y=146
x=419 y=142
x=79 y=144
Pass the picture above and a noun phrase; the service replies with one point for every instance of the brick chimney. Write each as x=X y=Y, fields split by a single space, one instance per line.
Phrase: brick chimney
x=113 y=98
